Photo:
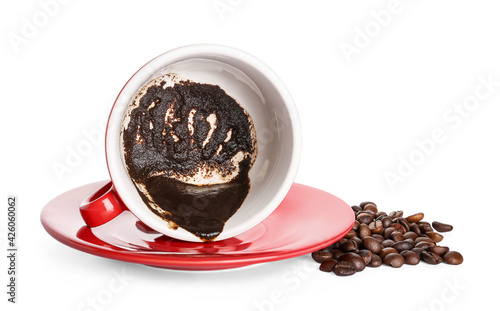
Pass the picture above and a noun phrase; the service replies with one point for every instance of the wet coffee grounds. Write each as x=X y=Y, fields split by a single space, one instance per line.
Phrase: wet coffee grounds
x=176 y=132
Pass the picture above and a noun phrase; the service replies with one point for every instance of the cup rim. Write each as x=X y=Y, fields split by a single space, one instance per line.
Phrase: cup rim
x=118 y=172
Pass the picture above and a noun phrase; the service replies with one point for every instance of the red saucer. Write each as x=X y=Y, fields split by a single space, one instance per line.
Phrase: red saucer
x=308 y=219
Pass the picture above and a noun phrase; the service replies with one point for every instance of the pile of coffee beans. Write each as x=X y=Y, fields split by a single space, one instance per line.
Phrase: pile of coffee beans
x=378 y=238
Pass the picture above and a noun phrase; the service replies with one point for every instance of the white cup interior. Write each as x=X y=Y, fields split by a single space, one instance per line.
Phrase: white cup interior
x=259 y=91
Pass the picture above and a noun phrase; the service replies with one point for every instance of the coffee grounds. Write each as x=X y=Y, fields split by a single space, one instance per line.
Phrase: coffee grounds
x=169 y=135
x=153 y=145
x=201 y=210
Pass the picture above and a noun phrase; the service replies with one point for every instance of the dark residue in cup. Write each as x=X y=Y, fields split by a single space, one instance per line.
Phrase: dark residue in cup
x=201 y=210
x=157 y=152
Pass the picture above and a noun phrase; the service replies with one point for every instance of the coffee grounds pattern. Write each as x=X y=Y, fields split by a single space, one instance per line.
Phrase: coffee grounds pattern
x=189 y=148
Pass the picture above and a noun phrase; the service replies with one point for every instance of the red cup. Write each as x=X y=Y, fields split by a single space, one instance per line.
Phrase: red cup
x=102 y=206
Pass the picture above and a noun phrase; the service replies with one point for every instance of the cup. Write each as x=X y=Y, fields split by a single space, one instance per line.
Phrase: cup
x=257 y=89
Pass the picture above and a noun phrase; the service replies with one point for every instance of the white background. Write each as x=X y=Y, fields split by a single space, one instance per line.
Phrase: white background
x=362 y=115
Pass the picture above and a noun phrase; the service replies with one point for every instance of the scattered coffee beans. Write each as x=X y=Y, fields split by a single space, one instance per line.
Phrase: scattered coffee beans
x=453 y=258
x=386 y=251
x=358 y=261
x=375 y=262
x=344 y=268
x=415 y=218
x=321 y=256
x=394 y=259
x=366 y=255
x=327 y=265
x=372 y=244
x=440 y=227
x=391 y=239
x=439 y=250
x=432 y=258
x=411 y=258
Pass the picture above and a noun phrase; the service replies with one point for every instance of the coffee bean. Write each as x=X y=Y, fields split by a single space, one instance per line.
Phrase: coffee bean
x=366 y=255
x=363 y=204
x=370 y=207
x=352 y=233
x=321 y=256
x=396 y=214
x=386 y=251
x=343 y=240
x=424 y=245
x=348 y=246
x=436 y=237
x=355 y=226
x=369 y=212
x=397 y=236
x=379 y=214
x=364 y=230
x=453 y=258
x=344 y=268
x=417 y=250
x=327 y=265
x=398 y=227
x=395 y=260
x=403 y=222
x=425 y=239
x=354 y=258
x=431 y=258
x=440 y=227
x=411 y=242
x=336 y=253
x=375 y=262
x=364 y=218
x=439 y=250
x=414 y=227
x=386 y=221
x=411 y=258
x=415 y=217
x=376 y=226
x=410 y=235
x=378 y=237
x=328 y=249
x=356 y=208
x=387 y=243
x=387 y=232
x=402 y=246
x=359 y=243
x=372 y=244
x=424 y=227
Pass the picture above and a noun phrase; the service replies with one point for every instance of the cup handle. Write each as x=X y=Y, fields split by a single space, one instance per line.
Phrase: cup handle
x=101 y=206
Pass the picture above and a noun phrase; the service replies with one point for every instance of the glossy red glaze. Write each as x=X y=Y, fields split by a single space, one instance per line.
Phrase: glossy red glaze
x=101 y=206
x=308 y=219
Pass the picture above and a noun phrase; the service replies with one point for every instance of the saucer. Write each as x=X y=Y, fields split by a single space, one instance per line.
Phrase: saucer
x=307 y=219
